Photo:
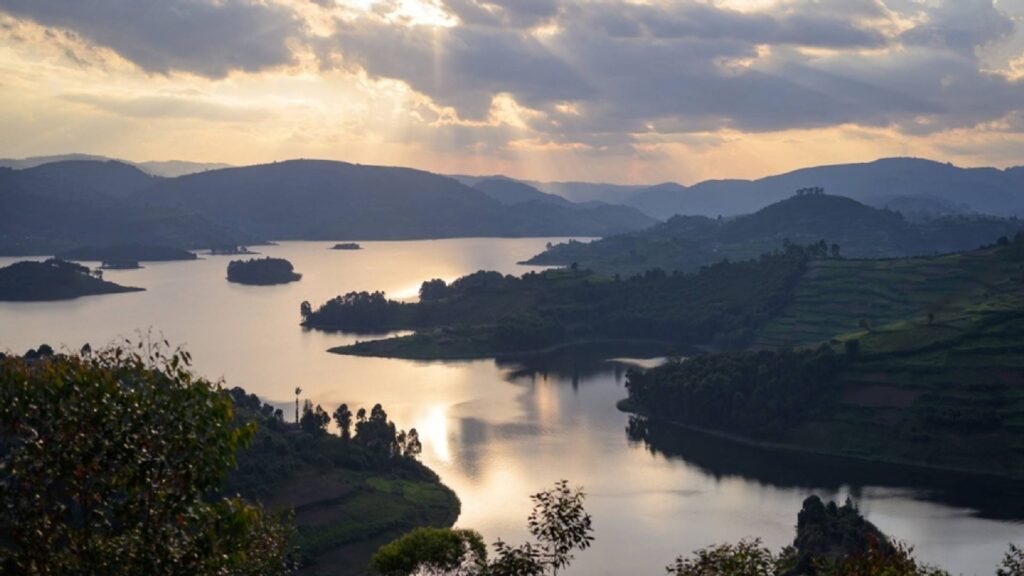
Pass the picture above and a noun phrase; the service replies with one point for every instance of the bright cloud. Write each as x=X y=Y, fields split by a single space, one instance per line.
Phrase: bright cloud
x=566 y=89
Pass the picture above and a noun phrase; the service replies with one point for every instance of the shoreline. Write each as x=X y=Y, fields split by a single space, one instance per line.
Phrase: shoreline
x=626 y=406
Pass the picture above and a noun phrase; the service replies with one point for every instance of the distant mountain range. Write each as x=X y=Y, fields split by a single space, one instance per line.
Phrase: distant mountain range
x=689 y=242
x=920 y=189
x=77 y=203
x=61 y=202
x=166 y=168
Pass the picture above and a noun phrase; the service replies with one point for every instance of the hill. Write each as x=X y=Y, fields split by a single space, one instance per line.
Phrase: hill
x=166 y=168
x=66 y=205
x=126 y=253
x=508 y=191
x=920 y=361
x=984 y=190
x=321 y=200
x=688 y=242
x=53 y=280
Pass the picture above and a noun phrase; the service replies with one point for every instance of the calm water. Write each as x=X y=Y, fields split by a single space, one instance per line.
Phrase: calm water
x=495 y=433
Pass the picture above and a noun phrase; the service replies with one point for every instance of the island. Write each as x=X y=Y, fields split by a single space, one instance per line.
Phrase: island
x=126 y=253
x=347 y=246
x=53 y=279
x=230 y=250
x=262 y=271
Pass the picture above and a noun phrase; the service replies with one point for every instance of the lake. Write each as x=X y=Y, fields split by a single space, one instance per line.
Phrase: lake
x=497 y=433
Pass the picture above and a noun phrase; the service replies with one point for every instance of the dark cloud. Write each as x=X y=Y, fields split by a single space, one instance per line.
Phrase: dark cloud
x=626 y=68
x=463 y=66
x=206 y=37
x=688 y=67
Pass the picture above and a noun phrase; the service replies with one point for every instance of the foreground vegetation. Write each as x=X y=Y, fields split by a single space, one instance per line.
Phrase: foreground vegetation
x=53 y=280
x=830 y=540
x=152 y=470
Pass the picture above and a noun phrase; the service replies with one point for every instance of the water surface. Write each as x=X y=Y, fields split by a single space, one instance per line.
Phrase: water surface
x=496 y=433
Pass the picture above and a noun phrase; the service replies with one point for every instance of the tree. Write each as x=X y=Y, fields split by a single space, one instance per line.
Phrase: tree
x=314 y=419
x=305 y=309
x=432 y=551
x=835 y=250
x=297 y=392
x=343 y=417
x=109 y=462
x=558 y=523
x=748 y=558
x=435 y=289
x=1013 y=563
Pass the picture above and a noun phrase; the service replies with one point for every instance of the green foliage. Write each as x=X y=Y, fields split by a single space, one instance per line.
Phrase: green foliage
x=314 y=420
x=758 y=392
x=486 y=313
x=432 y=551
x=890 y=559
x=108 y=462
x=262 y=271
x=558 y=523
x=358 y=311
x=747 y=558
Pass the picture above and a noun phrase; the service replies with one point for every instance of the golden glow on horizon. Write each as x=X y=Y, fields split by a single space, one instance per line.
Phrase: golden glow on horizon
x=61 y=94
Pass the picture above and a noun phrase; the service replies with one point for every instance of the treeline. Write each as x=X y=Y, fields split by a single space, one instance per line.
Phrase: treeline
x=761 y=393
x=280 y=449
x=722 y=304
x=262 y=271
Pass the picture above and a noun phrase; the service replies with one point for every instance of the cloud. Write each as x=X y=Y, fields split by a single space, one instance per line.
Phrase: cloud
x=629 y=69
x=168 y=105
x=205 y=37
x=607 y=76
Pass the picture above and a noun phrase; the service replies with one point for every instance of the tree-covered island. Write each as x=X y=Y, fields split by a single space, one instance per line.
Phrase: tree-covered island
x=54 y=280
x=262 y=271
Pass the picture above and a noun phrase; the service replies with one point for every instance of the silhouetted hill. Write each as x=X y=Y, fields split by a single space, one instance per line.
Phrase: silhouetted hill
x=318 y=199
x=65 y=205
x=508 y=191
x=108 y=178
x=166 y=168
x=688 y=242
x=70 y=204
x=986 y=190
x=126 y=253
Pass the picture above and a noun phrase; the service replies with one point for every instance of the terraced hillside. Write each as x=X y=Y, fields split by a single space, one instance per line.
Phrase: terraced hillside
x=841 y=296
x=910 y=361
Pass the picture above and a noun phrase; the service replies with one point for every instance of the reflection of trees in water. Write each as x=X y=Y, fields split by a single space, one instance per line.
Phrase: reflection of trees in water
x=989 y=497
x=579 y=363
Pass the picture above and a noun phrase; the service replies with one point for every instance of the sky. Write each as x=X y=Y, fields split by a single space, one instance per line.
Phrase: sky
x=593 y=90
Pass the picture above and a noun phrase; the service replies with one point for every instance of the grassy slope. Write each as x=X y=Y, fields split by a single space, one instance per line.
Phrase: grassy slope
x=836 y=295
x=946 y=393
x=345 y=507
x=343 y=516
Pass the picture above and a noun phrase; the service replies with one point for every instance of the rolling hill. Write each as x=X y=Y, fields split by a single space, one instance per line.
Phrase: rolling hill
x=689 y=242
x=984 y=190
x=70 y=204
